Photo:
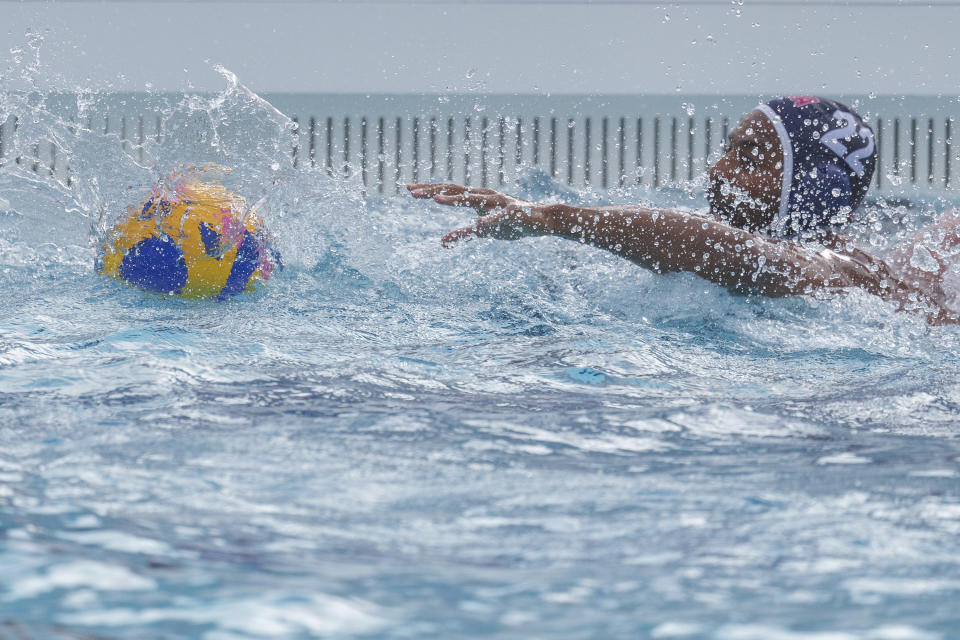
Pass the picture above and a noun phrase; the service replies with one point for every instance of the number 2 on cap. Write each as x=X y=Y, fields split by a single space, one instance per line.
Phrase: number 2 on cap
x=831 y=140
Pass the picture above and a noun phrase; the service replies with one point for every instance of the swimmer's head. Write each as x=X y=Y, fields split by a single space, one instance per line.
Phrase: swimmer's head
x=794 y=166
x=745 y=182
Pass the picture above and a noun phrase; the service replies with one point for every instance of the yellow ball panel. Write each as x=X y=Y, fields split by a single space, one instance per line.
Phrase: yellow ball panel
x=197 y=229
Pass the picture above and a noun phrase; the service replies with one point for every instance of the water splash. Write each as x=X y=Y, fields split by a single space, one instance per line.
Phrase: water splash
x=75 y=159
x=526 y=433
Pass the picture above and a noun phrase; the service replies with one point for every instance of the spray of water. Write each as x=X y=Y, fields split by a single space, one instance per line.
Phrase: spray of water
x=68 y=170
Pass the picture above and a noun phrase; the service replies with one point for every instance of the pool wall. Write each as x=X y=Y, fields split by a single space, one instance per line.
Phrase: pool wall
x=487 y=140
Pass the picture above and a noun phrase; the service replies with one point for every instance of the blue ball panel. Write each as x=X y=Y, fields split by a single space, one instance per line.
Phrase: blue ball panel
x=211 y=241
x=155 y=264
x=243 y=266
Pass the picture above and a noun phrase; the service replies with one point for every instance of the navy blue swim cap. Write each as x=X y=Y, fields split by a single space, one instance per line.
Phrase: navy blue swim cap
x=828 y=161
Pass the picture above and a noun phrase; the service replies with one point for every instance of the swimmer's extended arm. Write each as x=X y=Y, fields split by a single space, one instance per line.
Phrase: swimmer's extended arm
x=663 y=240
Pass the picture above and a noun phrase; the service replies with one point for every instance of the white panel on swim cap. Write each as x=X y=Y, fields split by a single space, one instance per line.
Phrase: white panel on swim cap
x=787 y=182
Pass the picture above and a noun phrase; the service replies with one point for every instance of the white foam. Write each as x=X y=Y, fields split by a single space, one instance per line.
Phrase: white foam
x=901 y=632
x=85 y=521
x=843 y=458
x=764 y=632
x=605 y=443
x=518 y=618
x=118 y=541
x=859 y=587
x=81 y=573
x=576 y=595
x=933 y=473
x=274 y=615
x=722 y=422
x=80 y=599
x=675 y=630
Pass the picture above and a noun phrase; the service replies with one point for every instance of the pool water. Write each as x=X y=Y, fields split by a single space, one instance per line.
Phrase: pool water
x=528 y=439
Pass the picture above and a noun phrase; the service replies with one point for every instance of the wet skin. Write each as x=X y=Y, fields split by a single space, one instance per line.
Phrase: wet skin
x=726 y=247
x=745 y=184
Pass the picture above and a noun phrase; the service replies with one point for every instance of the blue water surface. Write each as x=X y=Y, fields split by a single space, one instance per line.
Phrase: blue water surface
x=528 y=439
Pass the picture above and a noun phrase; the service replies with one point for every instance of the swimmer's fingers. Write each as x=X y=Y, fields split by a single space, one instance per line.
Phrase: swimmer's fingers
x=429 y=190
x=482 y=228
x=444 y=189
x=459 y=196
x=504 y=225
x=508 y=217
x=457 y=235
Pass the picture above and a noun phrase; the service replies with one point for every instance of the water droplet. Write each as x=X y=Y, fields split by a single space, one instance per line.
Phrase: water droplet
x=922 y=259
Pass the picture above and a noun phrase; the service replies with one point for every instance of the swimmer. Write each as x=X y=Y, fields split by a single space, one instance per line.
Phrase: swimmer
x=795 y=171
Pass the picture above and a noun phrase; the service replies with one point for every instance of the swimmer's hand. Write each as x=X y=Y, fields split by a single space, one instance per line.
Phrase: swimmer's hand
x=510 y=217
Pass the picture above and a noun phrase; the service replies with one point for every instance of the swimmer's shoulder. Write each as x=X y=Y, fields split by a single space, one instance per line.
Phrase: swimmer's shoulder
x=855 y=267
x=878 y=276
